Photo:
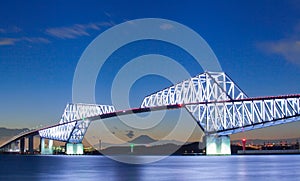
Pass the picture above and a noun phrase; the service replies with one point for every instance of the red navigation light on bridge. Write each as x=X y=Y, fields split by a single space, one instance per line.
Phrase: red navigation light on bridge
x=244 y=144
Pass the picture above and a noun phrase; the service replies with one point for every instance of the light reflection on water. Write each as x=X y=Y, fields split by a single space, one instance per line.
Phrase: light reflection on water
x=276 y=167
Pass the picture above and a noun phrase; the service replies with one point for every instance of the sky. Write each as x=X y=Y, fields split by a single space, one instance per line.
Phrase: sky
x=256 y=42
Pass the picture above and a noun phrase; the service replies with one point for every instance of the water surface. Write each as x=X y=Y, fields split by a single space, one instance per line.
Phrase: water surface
x=86 y=168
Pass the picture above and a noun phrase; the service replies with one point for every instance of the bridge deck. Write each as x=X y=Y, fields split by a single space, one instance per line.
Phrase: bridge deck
x=260 y=124
x=93 y=118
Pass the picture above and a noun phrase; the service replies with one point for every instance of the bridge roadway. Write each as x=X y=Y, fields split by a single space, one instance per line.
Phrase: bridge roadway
x=92 y=118
x=256 y=125
x=284 y=119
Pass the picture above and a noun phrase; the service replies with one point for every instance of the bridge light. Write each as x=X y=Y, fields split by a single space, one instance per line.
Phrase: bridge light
x=131 y=147
x=244 y=144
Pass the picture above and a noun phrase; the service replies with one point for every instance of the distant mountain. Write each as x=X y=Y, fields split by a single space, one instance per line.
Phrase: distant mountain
x=143 y=139
x=174 y=142
x=166 y=149
x=140 y=140
x=6 y=132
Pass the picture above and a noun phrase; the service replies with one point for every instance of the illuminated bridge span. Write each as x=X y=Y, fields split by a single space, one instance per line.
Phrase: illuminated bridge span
x=220 y=106
x=215 y=102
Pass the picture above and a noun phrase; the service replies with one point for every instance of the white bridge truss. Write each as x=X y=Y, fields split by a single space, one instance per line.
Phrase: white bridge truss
x=74 y=122
x=233 y=116
x=209 y=86
x=215 y=102
x=219 y=106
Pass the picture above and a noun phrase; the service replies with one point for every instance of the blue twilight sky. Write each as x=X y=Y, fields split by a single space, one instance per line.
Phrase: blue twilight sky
x=257 y=43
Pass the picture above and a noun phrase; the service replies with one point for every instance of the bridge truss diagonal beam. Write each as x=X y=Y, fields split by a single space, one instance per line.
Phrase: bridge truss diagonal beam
x=220 y=106
x=73 y=131
x=209 y=86
x=233 y=116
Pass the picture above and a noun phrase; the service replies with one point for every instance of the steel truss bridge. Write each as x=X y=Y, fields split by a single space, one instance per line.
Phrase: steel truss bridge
x=213 y=100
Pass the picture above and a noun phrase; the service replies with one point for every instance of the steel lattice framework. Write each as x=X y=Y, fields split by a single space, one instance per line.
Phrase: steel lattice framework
x=215 y=102
x=209 y=86
x=233 y=116
x=74 y=122
x=218 y=105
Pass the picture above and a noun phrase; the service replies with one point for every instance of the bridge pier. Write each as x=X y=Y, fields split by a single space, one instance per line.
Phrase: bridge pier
x=218 y=145
x=11 y=148
x=14 y=147
x=22 y=145
x=30 y=144
x=46 y=150
x=74 y=149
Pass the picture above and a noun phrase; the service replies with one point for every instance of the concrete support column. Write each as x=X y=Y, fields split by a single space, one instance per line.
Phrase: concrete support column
x=46 y=150
x=42 y=146
x=30 y=144
x=218 y=145
x=50 y=146
x=16 y=146
x=74 y=149
x=22 y=145
x=13 y=147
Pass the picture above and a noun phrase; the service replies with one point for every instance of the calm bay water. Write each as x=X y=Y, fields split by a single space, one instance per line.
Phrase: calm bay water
x=273 y=167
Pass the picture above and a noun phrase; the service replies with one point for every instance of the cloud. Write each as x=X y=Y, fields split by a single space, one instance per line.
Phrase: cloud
x=13 y=41
x=288 y=47
x=77 y=30
x=108 y=14
x=7 y=41
x=166 y=26
x=13 y=29
x=130 y=134
x=68 y=32
x=35 y=39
